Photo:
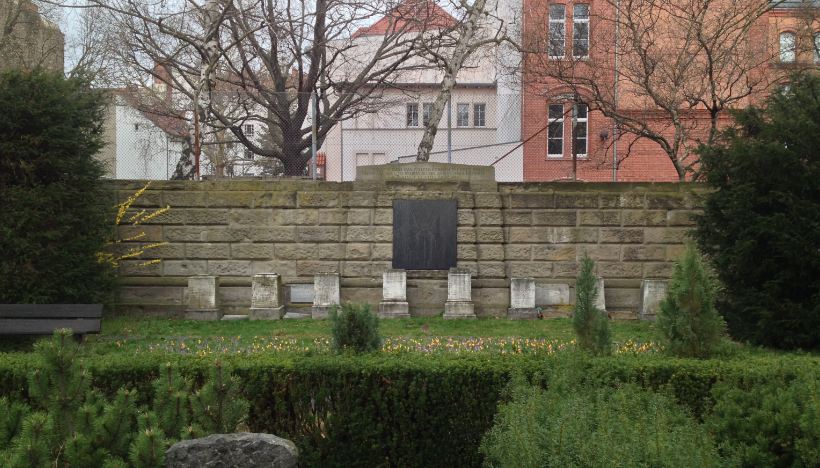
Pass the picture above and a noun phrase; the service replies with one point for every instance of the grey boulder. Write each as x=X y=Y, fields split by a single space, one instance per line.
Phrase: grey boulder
x=242 y=449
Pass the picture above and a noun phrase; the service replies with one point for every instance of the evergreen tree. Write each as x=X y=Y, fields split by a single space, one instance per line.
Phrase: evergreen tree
x=761 y=223
x=171 y=403
x=591 y=325
x=148 y=448
x=56 y=213
x=689 y=323
x=218 y=407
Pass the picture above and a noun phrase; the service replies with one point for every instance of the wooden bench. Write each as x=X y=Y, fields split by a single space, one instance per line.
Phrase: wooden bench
x=43 y=319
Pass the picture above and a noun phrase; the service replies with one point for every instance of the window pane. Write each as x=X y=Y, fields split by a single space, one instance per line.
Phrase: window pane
x=579 y=132
x=478 y=115
x=412 y=115
x=556 y=111
x=557 y=31
x=463 y=115
x=580 y=111
x=580 y=11
x=580 y=39
x=427 y=110
x=787 y=43
x=555 y=146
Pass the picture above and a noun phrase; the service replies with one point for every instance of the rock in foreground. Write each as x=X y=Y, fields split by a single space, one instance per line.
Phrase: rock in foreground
x=243 y=449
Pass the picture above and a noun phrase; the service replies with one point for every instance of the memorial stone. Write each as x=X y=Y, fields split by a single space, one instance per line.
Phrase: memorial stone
x=424 y=234
x=202 y=298
x=394 y=295
x=325 y=294
x=459 y=303
x=600 y=299
x=552 y=294
x=652 y=293
x=522 y=299
x=266 y=297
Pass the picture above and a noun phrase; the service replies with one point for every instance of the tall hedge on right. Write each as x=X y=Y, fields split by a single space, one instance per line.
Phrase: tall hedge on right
x=761 y=224
x=55 y=215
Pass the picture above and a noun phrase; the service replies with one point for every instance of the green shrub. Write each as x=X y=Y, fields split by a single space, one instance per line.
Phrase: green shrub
x=688 y=322
x=75 y=425
x=596 y=427
x=56 y=216
x=410 y=409
x=354 y=328
x=591 y=325
x=768 y=424
x=761 y=222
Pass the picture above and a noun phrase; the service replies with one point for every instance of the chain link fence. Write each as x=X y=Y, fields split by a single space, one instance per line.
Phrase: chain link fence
x=479 y=126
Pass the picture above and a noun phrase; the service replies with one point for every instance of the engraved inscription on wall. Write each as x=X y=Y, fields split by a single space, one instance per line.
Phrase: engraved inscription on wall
x=424 y=234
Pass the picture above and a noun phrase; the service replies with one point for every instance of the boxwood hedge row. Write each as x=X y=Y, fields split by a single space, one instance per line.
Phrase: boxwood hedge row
x=411 y=410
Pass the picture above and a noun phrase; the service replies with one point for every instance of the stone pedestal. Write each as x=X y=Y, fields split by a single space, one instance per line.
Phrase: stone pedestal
x=554 y=300
x=266 y=297
x=325 y=294
x=459 y=303
x=522 y=299
x=600 y=299
x=652 y=293
x=202 y=298
x=394 y=295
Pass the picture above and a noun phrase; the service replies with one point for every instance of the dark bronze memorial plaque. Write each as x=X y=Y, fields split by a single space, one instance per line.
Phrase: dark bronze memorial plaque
x=424 y=234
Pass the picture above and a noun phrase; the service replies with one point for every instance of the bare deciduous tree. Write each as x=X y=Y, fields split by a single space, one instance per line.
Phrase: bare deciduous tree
x=476 y=26
x=273 y=57
x=662 y=70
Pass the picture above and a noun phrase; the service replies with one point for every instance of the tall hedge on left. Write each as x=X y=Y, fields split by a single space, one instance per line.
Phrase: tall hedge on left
x=55 y=215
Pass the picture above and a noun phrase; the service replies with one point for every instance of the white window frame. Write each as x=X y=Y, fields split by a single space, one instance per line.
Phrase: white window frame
x=575 y=23
x=479 y=115
x=788 y=52
x=411 y=116
x=459 y=107
x=555 y=121
x=578 y=121
x=816 y=38
x=426 y=113
x=555 y=25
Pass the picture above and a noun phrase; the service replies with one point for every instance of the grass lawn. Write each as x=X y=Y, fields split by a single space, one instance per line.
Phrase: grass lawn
x=425 y=334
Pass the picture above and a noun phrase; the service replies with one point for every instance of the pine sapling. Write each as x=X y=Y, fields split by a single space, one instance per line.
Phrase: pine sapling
x=591 y=325
x=115 y=428
x=171 y=402
x=689 y=323
x=148 y=448
x=218 y=407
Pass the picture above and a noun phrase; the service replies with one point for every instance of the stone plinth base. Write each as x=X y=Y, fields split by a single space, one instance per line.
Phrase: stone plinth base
x=321 y=312
x=459 y=310
x=390 y=310
x=207 y=314
x=522 y=314
x=266 y=313
x=292 y=315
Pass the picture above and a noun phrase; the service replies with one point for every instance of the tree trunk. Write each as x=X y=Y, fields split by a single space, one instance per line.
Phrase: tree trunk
x=462 y=51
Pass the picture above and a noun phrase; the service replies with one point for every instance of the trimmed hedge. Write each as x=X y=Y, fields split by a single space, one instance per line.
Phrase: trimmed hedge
x=412 y=410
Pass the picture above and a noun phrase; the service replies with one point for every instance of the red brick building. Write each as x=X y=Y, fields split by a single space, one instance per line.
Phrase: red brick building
x=574 y=69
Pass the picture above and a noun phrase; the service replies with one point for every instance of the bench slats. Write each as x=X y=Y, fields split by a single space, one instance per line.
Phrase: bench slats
x=47 y=326
x=44 y=311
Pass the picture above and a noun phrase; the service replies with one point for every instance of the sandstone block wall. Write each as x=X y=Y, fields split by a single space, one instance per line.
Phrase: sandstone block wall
x=235 y=229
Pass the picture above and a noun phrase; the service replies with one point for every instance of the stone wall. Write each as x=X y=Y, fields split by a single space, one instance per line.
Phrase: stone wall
x=298 y=228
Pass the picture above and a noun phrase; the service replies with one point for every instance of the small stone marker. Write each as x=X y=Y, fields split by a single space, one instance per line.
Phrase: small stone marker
x=325 y=294
x=203 y=299
x=551 y=294
x=652 y=293
x=241 y=449
x=522 y=299
x=300 y=293
x=600 y=299
x=266 y=297
x=394 y=295
x=459 y=303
